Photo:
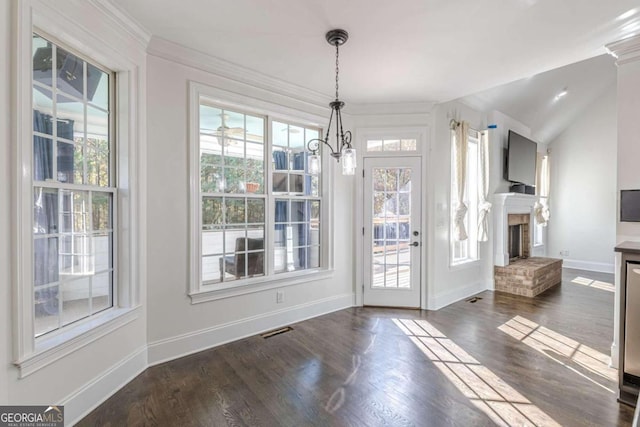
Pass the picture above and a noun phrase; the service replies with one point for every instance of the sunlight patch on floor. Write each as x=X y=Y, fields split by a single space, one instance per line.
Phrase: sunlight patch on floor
x=566 y=351
x=605 y=286
x=488 y=392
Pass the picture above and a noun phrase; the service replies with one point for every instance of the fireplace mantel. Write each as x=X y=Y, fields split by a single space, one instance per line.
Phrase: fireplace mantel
x=503 y=205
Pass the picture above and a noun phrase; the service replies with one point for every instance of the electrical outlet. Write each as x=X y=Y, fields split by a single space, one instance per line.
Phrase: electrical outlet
x=564 y=253
x=279 y=297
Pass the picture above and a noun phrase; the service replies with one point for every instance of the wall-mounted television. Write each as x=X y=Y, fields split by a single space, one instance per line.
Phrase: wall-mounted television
x=521 y=159
x=629 y=205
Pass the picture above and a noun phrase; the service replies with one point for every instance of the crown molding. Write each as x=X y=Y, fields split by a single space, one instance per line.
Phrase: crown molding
x=402 y=108
x=625 y=50
x=124 y=20
x=193 y=58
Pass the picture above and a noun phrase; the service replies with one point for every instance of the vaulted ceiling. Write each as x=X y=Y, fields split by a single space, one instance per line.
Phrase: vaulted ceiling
x=404 y=51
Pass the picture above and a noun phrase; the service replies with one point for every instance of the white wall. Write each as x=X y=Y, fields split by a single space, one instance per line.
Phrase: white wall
x=583 y=188
x=88 y=375
x=192 y=327
x=5 y=191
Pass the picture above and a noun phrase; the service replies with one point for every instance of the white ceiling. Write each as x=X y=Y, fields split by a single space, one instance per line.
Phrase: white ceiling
x=402 y=51
x=532 y=100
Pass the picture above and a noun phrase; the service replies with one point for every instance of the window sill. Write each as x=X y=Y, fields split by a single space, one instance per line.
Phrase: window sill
x=464 y=265
x=50 y=349
x=250 y=286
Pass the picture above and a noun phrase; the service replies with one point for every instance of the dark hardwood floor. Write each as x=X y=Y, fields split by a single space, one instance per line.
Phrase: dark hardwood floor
x=503 y=360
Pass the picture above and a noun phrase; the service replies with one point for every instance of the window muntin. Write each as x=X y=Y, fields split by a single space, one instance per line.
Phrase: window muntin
x=466 y=250
x=235 y=196
x=73 y=188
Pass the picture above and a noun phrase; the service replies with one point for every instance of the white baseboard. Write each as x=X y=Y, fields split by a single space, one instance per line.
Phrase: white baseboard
x=449 y=297
x=193 y=342
x=91 y=395
x=601 y=267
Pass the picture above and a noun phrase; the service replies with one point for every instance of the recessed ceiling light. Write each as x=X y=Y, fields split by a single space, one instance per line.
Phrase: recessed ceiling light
x=562 y=93
x=628 y=14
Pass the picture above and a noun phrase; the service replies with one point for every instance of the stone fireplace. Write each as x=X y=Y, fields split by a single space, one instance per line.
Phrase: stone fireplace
x=517 y=270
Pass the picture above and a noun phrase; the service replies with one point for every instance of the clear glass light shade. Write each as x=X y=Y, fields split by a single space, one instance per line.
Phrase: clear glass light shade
x=314 y=164
x=349 y=161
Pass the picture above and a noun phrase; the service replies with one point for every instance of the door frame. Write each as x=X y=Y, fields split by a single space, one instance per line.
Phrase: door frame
x=421 y=134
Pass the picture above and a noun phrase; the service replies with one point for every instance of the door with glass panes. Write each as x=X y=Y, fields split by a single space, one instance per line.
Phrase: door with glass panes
x=392 y=232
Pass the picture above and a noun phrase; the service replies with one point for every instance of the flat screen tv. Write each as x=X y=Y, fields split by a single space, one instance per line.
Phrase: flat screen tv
x=629 y=205
x=521 y=159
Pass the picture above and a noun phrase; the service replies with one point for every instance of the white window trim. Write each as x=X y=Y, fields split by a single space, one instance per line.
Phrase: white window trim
x=199 y=293
x=31 y=354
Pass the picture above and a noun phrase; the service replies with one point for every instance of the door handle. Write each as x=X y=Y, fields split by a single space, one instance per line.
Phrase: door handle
x=414 y=244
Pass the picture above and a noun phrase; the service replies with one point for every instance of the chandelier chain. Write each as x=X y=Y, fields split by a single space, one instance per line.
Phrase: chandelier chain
x=337 y=68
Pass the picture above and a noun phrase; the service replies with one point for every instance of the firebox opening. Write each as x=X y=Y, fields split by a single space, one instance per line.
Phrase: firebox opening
x=515 y=242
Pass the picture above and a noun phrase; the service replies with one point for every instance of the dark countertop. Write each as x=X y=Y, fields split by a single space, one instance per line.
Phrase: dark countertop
x=628 y=247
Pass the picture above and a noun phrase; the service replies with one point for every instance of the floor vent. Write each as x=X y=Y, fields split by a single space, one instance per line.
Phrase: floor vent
x=276 y=332
x=474 y=299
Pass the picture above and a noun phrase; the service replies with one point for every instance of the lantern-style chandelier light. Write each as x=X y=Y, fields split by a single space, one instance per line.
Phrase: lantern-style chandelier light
x=343 y=148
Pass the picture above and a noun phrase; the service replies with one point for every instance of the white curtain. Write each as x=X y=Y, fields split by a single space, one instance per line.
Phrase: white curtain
x=460 y=176
x=541 y=208
x=484 y=207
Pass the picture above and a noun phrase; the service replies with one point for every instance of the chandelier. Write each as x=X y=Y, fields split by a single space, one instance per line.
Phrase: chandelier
x=343 y=149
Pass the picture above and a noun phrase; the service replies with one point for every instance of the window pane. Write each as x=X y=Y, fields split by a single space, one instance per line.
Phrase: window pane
x=70 y=76
x=391 y=145
x=70 y=118
x=280 y=182
x=102 y=244
x=97 y=87
x=408 y=145
x=45 y=210
x=101 y=211
x=233 y=124
x=234 y=237
x=280 y=133
x=280 y=159
x=46 y=310
x=42 y=60
x=299 y=211
x=211 y=268
x=282 y=211
x=255 y=211
x=255 y=129
x=42 y=158
x=75 y=300
x=212 y=212
x=296 y=137
x=235 y=211
x=45 y=261
x=296 y=183
x=234 y=181
x=211 y=178
x=313 y=254
x=97 y=124
x=102 y=297
x=70 y=163
x=212 y=242
x=374 y=145
x=42 y=110
x=298 y=160
x=98 y=162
